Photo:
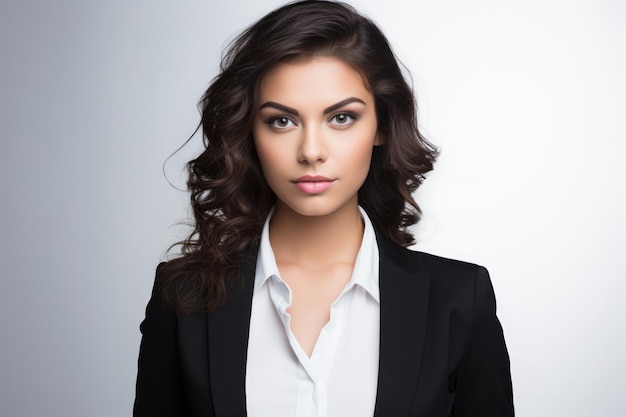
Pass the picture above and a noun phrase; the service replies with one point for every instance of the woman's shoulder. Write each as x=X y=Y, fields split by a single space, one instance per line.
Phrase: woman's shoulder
x=166 y=285
x=416 y=260
x=444 y=266
x=456 y=276
x=188 y=283
x=453 y=275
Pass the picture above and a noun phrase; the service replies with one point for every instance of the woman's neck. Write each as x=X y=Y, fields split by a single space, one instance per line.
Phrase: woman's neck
x=316 y=241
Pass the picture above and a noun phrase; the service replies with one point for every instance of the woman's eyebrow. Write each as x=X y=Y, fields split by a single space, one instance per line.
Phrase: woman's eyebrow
x=342 y=103
x=279 y=107
x=327 y=110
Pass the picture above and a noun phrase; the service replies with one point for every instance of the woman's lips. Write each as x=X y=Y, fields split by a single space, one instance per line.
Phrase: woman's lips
x=313 y=184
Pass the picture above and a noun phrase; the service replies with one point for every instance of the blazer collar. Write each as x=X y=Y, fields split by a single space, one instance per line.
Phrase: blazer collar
x=403 y=313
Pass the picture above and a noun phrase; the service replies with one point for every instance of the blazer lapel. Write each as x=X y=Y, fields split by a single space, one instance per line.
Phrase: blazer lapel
x=228 y=347
x=403 y=314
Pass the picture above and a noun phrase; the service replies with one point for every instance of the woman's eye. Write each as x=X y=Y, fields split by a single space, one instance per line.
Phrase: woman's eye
x=342 y=119
x=281 y=122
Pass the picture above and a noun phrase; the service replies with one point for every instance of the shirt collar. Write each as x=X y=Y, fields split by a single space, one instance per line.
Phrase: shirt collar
x=365 y=273
x=265 y=262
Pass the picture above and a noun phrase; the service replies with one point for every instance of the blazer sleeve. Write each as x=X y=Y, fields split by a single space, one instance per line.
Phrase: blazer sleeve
x=483 y=386
x=158 y=390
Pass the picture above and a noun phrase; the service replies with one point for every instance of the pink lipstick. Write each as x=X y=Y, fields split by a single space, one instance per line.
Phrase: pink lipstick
x=313 y=184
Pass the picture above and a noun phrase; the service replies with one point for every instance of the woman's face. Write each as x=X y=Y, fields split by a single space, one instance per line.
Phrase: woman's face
x=314 y=132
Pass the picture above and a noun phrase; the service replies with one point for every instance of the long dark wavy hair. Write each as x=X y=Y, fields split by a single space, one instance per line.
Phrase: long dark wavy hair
x=229 y=195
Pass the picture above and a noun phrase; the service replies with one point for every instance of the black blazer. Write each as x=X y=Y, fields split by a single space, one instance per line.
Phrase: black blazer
x=442 y=352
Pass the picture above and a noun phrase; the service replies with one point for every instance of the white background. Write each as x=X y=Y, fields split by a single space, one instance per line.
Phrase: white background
x=527 y=101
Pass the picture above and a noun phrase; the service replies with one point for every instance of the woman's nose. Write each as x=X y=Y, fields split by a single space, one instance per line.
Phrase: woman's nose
x=312 y=146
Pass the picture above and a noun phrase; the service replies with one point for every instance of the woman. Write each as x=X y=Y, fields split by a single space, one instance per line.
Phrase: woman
x=295 y=294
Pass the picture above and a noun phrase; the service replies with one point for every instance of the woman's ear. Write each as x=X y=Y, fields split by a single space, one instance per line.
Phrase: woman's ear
x=378 y=140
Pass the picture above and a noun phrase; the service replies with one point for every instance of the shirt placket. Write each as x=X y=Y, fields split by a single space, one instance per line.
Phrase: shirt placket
x=313 y=372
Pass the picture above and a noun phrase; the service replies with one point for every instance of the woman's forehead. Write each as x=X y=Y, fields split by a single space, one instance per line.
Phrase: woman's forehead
x=321 y=79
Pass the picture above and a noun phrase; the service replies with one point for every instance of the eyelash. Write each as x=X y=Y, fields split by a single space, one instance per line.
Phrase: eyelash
x=352 y=115
x=348 y=113
x=272 y=119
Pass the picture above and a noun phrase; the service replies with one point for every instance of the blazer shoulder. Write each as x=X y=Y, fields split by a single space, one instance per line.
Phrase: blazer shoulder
x=452 y=277
x=162 y=292
x=412 y=260
x=436 y=264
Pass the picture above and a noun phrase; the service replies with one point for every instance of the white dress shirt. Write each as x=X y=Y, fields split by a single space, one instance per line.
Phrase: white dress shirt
x=340 y=378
